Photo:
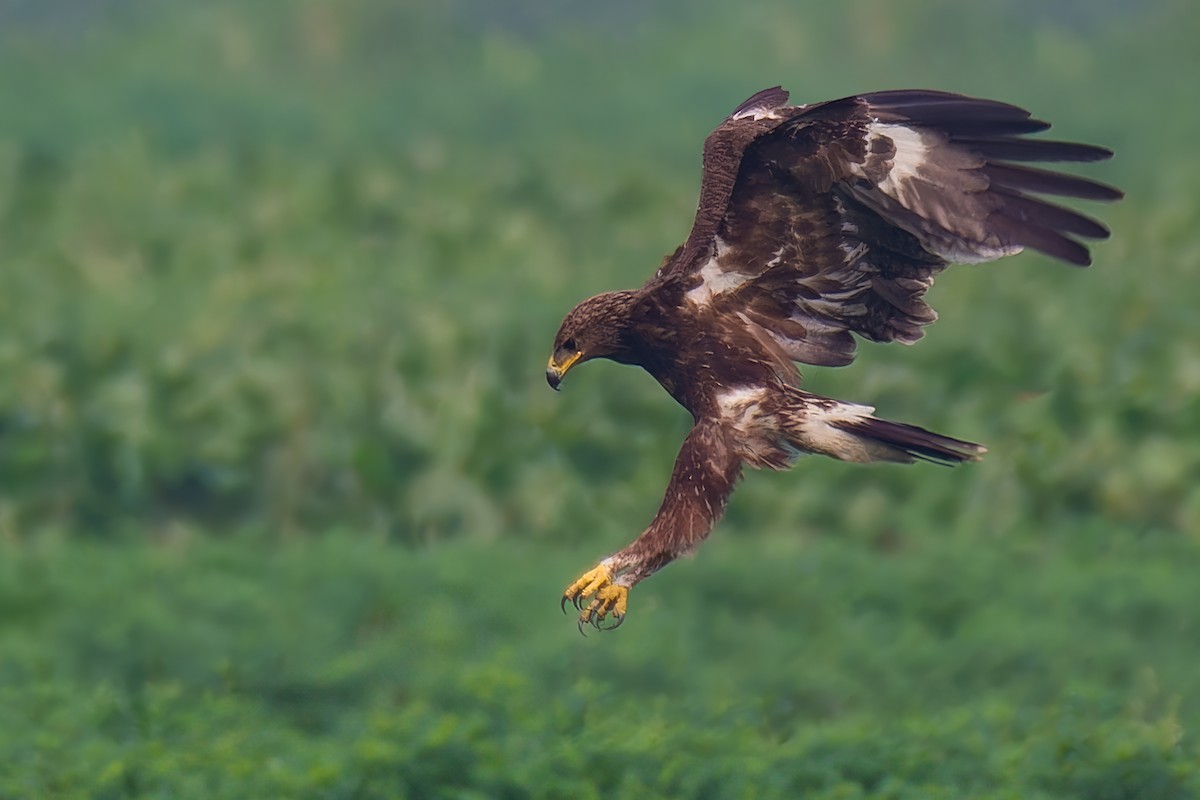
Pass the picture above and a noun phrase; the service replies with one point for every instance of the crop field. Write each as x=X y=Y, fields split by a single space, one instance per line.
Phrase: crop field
x=286 y=506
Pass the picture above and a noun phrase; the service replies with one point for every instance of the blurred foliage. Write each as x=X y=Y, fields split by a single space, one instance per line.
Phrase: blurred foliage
x=273 y=269
x=300 y=263
x=342 y=666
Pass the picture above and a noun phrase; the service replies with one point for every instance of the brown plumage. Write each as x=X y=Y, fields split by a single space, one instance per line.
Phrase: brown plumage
x=816 y=223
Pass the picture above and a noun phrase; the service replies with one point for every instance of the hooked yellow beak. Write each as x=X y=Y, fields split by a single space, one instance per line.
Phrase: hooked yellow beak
x=555 y=372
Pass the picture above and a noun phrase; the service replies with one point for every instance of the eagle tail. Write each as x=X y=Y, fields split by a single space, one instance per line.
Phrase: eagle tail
x=911 y=443
x=852 y=432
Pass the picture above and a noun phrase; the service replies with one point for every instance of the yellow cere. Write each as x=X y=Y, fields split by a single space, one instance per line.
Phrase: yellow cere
x=566 y=365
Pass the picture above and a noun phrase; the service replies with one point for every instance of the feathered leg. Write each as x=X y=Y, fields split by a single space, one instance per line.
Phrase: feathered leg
x=706 y=470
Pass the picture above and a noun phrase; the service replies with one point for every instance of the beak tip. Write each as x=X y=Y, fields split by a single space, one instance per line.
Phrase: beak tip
x=555 y=370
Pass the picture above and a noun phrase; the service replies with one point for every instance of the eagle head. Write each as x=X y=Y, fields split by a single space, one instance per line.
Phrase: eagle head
x=596 y=328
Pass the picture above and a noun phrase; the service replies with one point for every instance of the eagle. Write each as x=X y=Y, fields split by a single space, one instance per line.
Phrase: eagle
x=816 y=224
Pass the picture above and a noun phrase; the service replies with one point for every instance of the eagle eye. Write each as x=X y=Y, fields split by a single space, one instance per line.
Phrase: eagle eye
x=569 y=346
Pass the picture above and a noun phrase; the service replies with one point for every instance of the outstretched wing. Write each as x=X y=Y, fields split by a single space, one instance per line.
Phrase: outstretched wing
x=816 y=222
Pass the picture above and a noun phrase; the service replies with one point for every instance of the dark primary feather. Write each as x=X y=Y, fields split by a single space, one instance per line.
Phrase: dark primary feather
x=1043 y=181
x=834 y=218
x=1023 y=208
x=1014 y=149
x=955 y=114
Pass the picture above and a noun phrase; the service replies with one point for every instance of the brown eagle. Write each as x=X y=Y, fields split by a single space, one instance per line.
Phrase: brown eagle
x=815 y=223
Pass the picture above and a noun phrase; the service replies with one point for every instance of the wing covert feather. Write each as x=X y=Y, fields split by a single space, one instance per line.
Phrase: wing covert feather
x=818 y=222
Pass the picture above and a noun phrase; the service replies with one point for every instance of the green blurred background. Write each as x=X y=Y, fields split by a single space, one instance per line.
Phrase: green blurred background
x=286 y=505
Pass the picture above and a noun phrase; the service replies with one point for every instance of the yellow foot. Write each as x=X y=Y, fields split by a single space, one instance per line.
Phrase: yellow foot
x=610 y=598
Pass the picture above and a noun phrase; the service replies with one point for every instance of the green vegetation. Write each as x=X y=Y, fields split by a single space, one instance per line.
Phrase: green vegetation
x=286 y=506
x=347 y=667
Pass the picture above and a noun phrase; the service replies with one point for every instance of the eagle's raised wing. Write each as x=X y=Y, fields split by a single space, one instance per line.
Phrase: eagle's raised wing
x=816 y=222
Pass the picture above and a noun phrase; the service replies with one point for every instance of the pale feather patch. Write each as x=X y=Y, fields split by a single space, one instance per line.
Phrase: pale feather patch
x=835 y=308
x=738 y=403
x=853 y=252
x=814 y=429
x=912 y=151
x=757 y=431
x=713 y=279
x=822 y=310
x=973 y=253
x=813 y=325
x=757 y=113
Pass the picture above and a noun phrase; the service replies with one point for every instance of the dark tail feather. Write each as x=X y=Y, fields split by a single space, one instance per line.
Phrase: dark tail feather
x=914 y=442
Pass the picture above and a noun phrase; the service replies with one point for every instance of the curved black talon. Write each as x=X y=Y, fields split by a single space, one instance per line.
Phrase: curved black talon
x=579 y=625
x=563 y=604
x=617 y=620
x=578 y=601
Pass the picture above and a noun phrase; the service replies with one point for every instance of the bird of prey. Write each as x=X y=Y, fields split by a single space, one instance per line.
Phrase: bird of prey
x=816 y=223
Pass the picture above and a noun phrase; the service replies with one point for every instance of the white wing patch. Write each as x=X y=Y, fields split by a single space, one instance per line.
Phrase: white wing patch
x=912 y=151
x=714 y=279
x=915 y=163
